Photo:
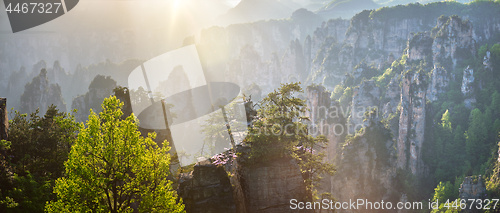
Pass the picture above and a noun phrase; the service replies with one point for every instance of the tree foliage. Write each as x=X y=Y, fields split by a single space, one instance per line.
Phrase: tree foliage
x=279 y=131
x=112 y=168
x=33 y=158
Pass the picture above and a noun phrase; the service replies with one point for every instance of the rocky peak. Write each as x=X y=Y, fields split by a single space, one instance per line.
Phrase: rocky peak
x=420 y=46
x=472 y=188
x=452 y=42
x=467 y=87
x=412 y=122
x=240 y=187
x=40 y=93
x=453 y=39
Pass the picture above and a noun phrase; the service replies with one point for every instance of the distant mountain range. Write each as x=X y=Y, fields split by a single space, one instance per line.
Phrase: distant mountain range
x=346 y=8
x=255 y=10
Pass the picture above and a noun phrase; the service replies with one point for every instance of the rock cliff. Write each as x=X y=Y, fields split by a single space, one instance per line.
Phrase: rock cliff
x=412 y=122
x=40 y=94
x=368 y=163
x=374 y=36
x=467 y=87
x=264 y=52
x=364 y=100
x=472 y=188
x=238 y=187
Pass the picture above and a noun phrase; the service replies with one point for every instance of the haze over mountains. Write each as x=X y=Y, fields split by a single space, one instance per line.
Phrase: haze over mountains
x=418 y=85
x=147 y=30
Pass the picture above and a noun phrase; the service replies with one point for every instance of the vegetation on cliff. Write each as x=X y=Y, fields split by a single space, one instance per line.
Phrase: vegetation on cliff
x=279 y=131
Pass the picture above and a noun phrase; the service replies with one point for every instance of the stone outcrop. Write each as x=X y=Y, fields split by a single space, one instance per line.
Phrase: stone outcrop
x=472 y=188
x=454 y=40
x=487 y=61
x=4 y=119
x=364 y=166
x=239 y=187
x=368 y=40
x=438 y=83
x=207 y=189
x=364 y=100
x=269 y=188
x=468 y=87
x=241 y=53
x=450 y=41
x=390 y=104
x=40 y=94
x=420 y=46
x=327 y=118
x=392 y=96
x=412 y=122
x=365 y=169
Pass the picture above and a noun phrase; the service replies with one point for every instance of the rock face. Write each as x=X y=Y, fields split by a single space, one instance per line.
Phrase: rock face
x=364 y=166
x=207 y=189
x=453 y=42
x=4 y=119
x=40 y=94
x=467 y=87
x=412 y=122
x=267 y=53
x=237 y=187
x=364 y=100
x=454 y=39
x=439 y=81
x=423 y=72
x=472 y=188
x=450 y=41
x=327 y=118
x=486 y=61
x=270 y=188
x=364 y=171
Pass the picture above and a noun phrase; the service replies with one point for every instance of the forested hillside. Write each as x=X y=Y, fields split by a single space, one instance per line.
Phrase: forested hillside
x=399 y=103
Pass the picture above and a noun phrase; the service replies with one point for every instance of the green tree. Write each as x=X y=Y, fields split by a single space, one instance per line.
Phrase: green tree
x=112 y=168
x=279 y=131
x=36 y=151
x=475 y=143
x=444 y=191
x=445 y=121
x=41 y=144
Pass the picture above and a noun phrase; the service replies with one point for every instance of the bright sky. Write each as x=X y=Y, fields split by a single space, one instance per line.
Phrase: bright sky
x=139 y=14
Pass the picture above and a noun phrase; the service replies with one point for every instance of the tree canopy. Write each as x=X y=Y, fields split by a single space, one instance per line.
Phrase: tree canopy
x=279 y=131
x=112 y=168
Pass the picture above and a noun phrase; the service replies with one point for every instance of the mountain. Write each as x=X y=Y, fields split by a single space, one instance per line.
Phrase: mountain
x=346 y=8
x=407 y=96
x=255 y=10
x=40 y=94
